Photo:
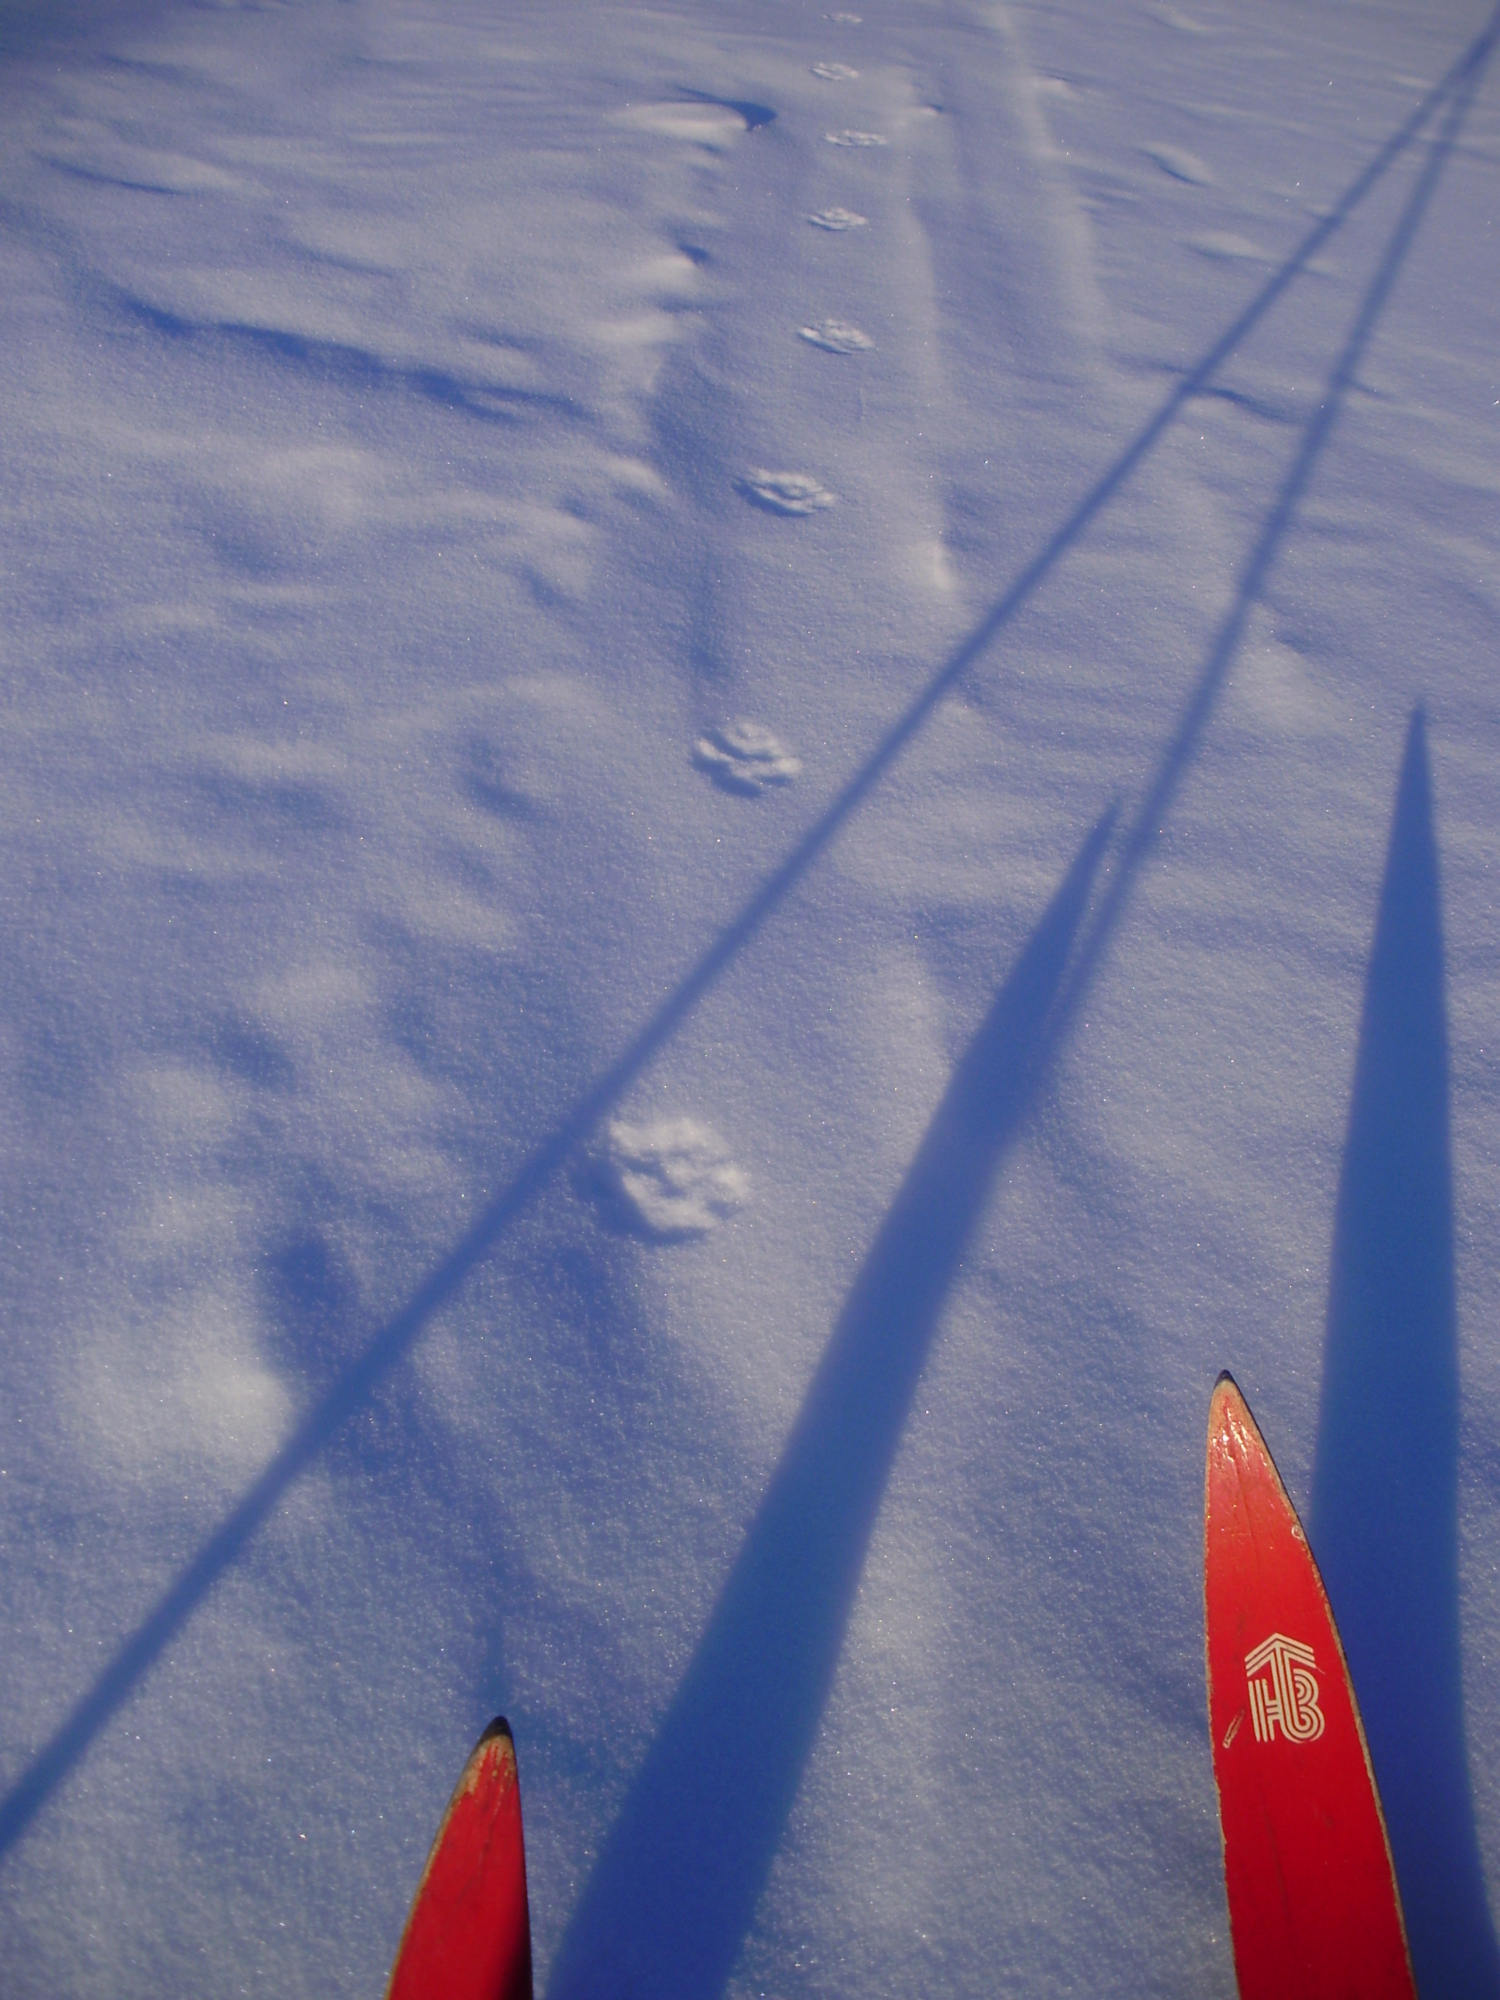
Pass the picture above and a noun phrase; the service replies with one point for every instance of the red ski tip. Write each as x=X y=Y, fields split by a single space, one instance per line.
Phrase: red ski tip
x=469 y=1933
x=1313 y=1906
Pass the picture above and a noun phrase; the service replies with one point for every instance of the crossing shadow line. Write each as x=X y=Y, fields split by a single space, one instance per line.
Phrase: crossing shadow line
x=143 y=1647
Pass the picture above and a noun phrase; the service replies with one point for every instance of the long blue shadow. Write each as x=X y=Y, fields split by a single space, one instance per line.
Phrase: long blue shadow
x=672 y=1895
x=1385 y=1484
x=1141 y=834
x=390 y=1343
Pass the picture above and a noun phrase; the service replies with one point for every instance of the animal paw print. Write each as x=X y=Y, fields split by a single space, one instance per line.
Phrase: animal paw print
x=670 y=1179
x=786 y=492
x=836 y=336
x=745 y=757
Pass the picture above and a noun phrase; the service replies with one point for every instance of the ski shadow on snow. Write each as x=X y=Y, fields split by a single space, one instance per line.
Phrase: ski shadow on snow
x=1385 y=1481
x=392 y=1342
x=673 y=1892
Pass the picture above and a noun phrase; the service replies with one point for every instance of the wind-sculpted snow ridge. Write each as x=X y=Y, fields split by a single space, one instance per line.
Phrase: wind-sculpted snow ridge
x=672 y=1178
x=745 y=757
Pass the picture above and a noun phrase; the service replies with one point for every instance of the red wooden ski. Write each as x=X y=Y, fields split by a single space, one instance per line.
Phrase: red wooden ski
x=469 y=1933
x=1313 y=1907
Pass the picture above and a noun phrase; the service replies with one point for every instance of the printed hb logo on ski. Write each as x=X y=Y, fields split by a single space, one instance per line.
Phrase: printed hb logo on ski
x=1283 y=1690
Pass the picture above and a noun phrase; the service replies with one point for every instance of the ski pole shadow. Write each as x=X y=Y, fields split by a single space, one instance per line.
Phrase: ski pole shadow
x=674 y=1890
x=391 y=1342
x=1141 y=834
x=1385 y=1480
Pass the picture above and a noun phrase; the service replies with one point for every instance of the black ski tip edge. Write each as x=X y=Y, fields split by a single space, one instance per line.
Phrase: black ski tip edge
x=1222 y=1377
x=499 y=1727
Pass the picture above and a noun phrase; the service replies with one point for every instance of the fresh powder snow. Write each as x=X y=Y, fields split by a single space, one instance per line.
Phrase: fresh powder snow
x=749 y=789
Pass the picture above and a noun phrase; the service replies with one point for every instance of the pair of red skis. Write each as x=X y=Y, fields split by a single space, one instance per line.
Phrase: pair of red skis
x=1313 y=1908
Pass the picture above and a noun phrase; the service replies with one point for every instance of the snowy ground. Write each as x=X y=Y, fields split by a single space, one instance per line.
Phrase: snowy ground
x=703 y=710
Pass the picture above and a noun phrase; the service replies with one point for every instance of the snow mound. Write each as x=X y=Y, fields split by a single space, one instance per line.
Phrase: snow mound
x=698 y=124
x=745 y=757
x=786 y=492
x=672 y=1178
x=837 y=218
x=837 y=336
